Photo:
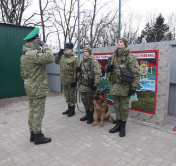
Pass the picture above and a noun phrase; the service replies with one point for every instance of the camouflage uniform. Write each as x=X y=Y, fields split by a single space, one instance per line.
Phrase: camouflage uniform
x=34 y=74
x=68 y=63
x=120 y=89
x=93 y=69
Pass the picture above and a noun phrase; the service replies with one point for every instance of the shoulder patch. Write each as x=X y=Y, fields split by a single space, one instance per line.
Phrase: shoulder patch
x=40 y=54
x=137 y=64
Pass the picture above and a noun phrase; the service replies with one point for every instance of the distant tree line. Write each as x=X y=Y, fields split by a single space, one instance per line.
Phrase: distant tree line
x=58 y=21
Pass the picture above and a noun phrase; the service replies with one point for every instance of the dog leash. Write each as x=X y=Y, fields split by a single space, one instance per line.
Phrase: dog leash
x=77 y=89
x=77 y=100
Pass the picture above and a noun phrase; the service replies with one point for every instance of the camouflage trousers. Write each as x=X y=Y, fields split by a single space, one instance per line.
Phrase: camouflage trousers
x=121 y=104
x=87 y=99
x=69 y=93
x=37 y=111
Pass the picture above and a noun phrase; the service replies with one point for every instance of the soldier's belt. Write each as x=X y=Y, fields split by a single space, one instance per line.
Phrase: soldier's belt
x=84 y=84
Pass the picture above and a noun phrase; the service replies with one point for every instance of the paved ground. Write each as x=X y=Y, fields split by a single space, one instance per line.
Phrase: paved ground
x=75 y=143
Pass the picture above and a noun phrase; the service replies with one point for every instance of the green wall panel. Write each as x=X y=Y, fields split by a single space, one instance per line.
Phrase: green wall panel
x=11 y=43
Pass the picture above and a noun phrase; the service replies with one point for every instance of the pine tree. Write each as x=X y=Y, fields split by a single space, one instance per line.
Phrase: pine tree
x=157 y=32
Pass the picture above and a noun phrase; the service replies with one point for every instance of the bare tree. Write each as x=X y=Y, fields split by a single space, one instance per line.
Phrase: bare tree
x=92 y=22
x=150 y=17
x=172 y=24
x=84 y=30
x=42 y=12
x=42 y=18
x=131 y=28
x=64 y=20
x=99 y=19
x=109 y=35
x=12 y=10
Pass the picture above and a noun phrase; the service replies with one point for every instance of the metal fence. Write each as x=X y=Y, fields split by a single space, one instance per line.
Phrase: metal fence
x=11 y=43
x=172 y=89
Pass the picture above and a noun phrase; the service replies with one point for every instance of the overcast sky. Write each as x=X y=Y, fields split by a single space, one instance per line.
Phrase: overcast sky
x=140 y=7
x=143 y=6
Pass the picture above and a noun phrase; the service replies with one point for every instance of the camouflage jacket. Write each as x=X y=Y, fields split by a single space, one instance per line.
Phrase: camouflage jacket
x=128 y=62
x=92 y=69
x=68 y=63
x=33 y=69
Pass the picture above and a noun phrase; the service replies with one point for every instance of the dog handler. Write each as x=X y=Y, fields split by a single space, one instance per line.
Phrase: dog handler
x=122 y=85
x=89 y=75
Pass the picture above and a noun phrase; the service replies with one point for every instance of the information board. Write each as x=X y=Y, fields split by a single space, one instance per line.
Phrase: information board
x=145 y=98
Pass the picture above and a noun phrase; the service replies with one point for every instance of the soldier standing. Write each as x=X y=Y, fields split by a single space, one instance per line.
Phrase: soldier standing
x=89 y=74
x=68 y=63
x=122 y=61
x=34 y=74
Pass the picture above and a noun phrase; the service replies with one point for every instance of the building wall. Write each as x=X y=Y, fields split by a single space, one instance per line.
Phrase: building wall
x=172 y=90
x=53 y=71
x=162 y=86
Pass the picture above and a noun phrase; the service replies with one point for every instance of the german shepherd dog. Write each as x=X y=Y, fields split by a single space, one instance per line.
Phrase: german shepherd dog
x=101 y=108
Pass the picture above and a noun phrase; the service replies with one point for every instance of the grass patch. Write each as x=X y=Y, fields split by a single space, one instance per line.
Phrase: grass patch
x=145 y=101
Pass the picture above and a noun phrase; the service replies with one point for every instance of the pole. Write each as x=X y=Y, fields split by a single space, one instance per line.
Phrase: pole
x=78 y=41
x=78 y=34
x=119 y=18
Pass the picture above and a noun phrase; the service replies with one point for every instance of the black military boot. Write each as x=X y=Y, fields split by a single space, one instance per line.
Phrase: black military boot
x=86 y=116
x=72 y=112
x=90 y=119
x=40 y=139
x=67 y=111
x=122 y=128
x=116 y=127
x=32 y=137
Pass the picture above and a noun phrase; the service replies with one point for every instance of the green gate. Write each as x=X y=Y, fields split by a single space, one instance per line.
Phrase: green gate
x=11 y=42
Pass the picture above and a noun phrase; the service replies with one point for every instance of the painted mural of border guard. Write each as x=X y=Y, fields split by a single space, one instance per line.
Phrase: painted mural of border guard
x=34 y=74
x=122 y=62
x=89 y=75
x=68 y=62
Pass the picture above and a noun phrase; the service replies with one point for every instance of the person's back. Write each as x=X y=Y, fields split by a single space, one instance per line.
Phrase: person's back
x=36 y=54
x=33 y=69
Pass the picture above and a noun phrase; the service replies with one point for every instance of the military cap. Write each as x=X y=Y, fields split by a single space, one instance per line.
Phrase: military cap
x=124 y=40
x=32 y=35
x=88 y=49
x=68 y=45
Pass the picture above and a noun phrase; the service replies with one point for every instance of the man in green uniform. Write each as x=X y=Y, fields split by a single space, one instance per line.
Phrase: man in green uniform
x=122 y=61
x=89 y=74
x=34 y=74
x=68 y=63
